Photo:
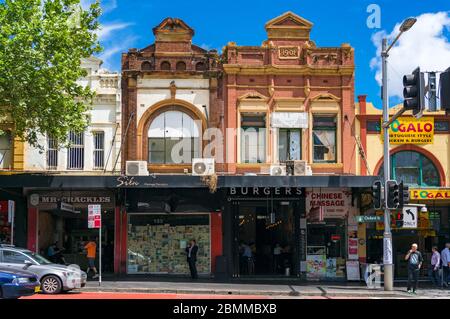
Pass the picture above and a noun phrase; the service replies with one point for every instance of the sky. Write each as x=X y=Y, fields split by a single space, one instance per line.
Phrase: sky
x=128 y=24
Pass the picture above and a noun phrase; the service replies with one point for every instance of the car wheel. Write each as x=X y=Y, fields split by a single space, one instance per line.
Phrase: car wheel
x=51 y=285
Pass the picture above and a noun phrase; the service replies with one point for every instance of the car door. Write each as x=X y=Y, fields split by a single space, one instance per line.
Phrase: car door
x=14 y=260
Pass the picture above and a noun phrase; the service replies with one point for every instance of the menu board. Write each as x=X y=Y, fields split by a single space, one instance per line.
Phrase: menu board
x=353 y=271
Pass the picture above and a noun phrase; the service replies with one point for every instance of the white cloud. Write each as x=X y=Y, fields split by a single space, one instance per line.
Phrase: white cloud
x=106 y=30
x=111 y=55
x=425 y=45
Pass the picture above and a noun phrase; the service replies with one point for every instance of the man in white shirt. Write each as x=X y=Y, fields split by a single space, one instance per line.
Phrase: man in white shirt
x=445 y=257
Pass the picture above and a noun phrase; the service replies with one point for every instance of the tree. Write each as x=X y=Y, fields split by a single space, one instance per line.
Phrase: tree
x=42 y=43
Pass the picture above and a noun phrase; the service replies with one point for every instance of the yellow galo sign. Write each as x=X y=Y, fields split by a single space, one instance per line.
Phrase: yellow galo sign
x=409 y=130
x=434 y=194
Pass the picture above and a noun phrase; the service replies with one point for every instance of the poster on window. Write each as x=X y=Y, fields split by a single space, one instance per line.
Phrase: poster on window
x=331 y=268
x=5 y=226
x=331 y=203
x=352 y=243
x=316 y=267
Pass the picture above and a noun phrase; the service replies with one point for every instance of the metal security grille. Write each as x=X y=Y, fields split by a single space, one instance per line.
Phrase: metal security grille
x=76 y=151
x=99 y=150
x=52 y=153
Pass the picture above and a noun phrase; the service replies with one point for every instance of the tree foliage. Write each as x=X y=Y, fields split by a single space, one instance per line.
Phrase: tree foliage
x=42 y=43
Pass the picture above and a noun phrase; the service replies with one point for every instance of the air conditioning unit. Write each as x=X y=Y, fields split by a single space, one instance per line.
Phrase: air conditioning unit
x=296 y=168
x=277 y=170
x=136 y=168
x=203 y=166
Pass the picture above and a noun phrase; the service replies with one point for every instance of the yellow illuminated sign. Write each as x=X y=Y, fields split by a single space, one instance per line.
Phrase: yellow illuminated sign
x=430 y=194
x=409 y=130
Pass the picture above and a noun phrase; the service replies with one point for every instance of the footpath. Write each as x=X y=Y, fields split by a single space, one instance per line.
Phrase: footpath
x=276 y=290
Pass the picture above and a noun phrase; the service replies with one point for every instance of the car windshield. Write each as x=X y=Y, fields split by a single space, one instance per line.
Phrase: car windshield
x=41 y=260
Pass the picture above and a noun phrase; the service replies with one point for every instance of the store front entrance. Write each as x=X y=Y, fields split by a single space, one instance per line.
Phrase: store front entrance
x=266 y=231
x=266 y=238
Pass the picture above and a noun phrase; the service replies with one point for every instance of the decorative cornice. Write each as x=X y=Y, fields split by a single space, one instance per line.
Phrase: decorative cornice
x=291 y=70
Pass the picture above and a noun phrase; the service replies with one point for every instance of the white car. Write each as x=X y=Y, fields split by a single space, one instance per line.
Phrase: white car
x=54 y=278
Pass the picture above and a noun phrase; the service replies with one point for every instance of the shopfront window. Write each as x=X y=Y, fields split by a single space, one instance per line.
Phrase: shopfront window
x=157 y=243
x=289 y=145
x=5 y=150
x=52 y=153
x=173 y=138
x=76 y=151
x=413 y=169
x=324 y=139
x=253 y=138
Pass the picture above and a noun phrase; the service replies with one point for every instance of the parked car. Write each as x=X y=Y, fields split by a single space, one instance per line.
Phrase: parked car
x=54 y=278
x=16 y=284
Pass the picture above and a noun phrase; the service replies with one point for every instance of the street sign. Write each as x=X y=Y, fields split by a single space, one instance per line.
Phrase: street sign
x=94 y=216
x=410 y=217
x=369 y=219
x=66 y=207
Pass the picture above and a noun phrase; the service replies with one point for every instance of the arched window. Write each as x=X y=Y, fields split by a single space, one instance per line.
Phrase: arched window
x=165 y=66
x=173 y=138
x=146 y=66
x=200 y=66
x=181 y=66
x=413 y=168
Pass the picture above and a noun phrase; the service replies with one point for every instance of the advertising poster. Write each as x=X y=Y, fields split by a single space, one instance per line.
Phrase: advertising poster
x=352 y=243
x=323 y=203
x=316 y=266
x=331 y=268
x=5 y=226
x=353 y=272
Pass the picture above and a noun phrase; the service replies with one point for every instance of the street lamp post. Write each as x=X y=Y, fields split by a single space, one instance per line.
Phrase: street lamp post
x=387 y=236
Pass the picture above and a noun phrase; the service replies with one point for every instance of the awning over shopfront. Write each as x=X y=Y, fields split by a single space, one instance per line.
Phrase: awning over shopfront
x=179 y=181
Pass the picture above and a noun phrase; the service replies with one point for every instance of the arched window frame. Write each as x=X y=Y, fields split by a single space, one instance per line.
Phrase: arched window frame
x=190 y=129
x=420 y=178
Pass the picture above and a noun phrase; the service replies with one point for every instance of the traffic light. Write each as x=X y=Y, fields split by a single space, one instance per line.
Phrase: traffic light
x=445 y=91
x=392 y=195
x=414 y=92
x=404 y=195
x=377 y=195
x=399 y=220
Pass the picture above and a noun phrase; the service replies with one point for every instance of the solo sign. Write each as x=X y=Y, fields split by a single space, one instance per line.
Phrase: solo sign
x=409 y=130
x=94 y=216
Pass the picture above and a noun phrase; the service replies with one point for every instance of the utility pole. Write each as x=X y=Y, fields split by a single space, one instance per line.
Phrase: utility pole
x=387 y=236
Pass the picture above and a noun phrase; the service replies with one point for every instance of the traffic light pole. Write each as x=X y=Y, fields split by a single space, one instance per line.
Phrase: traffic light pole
x=387 y=237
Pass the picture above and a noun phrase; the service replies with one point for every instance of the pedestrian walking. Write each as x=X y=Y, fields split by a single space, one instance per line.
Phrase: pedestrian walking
x=445 y=257
x=191 y=252
x=91 y=248
x=415 y=260
x=435 y=267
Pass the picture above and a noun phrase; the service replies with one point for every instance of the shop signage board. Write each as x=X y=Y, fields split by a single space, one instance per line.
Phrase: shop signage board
x=353 y=271
x=94 y=216
x=410 y=217
x=332 y=203
x=369 y=219
x=409 y=130
x=435 y=194
x=290 y=120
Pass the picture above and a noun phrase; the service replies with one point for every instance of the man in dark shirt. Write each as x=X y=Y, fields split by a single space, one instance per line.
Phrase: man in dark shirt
x=415 y=260
x=191 y=252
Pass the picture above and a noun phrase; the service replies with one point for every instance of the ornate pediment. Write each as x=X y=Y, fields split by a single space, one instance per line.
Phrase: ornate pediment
x=289 y=26
x=253 y=96
x=173 y=29
x=326 y=97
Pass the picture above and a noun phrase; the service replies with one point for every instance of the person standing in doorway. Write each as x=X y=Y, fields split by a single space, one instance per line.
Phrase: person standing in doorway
x=191 y=252
x=445 y=257
x=91 y=248
x=415 y=260
x=435 y=266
